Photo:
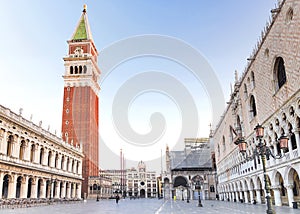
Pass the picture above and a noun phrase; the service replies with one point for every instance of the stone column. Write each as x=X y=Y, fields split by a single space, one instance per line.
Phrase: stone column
x=3 y=135
x=45 y=157
x=27 y=151
x=57 y=189
x=78 y=194
x=63 y=189
x=258 y=196
x=1 y=181
x=4 y=144
x=79 y=168
x=59 y=162
x=68 y=191
x=73 y=191
x=24 y=187
x=12 y=186
x=51 y=188
x=16 y=147
x=251 y=196
x=43 y=189
x=237 y=196
x=297 y=136
x=36 y=156
x=52 y=159
x=33 y=188
x=246 y=196
x=290 y=194
x=277 y=196
x=289 y=145
x=241 y=195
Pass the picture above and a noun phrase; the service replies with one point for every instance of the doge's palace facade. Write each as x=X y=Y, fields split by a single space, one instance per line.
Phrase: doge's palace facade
x=35 y=163
x=268 y=93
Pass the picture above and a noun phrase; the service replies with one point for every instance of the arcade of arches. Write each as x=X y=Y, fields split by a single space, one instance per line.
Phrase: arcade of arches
x=34 y=163
x=284 y=183
x=185 y=186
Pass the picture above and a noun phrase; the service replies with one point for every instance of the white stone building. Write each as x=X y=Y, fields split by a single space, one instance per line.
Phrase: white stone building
x=268 y=93
x=35 y=163
x=140 y=182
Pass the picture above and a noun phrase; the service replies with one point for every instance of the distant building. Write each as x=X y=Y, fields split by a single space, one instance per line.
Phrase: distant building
x=118 y=180
x=133 y=182
x=100 y=187
x=189 y=169
x=140 y=182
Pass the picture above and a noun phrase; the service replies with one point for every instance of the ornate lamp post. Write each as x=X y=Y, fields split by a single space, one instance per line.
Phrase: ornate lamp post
x=198 y=187
x=263 y=151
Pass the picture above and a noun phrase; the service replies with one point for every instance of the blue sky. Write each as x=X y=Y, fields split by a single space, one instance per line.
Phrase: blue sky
x=33 y=41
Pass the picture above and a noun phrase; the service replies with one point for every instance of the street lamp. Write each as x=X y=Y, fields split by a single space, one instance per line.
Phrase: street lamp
x=198 y=187
x=263 y=151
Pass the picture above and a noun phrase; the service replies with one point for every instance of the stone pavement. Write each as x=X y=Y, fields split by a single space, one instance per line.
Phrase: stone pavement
x=149 y=206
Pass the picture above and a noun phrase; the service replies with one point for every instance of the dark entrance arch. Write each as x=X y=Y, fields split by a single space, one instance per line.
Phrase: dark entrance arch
x=5 y=186
x=30 y=181
x=48 y=189
x=18 y=187
x=180 y=181
x=142 y=193
x=39 y=187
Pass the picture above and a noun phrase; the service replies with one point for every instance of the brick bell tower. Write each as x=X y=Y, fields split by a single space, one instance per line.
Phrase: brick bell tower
x=80 y=120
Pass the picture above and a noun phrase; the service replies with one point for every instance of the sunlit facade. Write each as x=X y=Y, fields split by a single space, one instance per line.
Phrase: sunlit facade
x=34 y=163
x=266 y=93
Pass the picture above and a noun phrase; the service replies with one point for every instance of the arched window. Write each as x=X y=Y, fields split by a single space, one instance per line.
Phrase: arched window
x=32 y=152
x=22 y=150
x=77 y=167
x=279 y=73
x=76 y=69
x=72 y=166
x=84 y=69
x=238 y=126
x=224 y=145
x=9 y=145
x=292 y=137
x=5 y=186
x=41 y=155
x=245 y=90
x=62 y=162
x=218 y=149
x=71 y=70
x=80 y=69
x=49 y=158
x=67 y=166
x=56 y=161
x=252 y=79
x=252 y=106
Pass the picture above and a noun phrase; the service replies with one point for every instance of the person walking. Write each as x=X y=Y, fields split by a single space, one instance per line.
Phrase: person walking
x=117 y=199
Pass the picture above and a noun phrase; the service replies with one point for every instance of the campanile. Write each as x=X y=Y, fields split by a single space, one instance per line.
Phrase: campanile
x=80 y=120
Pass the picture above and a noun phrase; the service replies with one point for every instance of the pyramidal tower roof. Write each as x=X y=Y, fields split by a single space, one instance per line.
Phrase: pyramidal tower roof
x=82 y=31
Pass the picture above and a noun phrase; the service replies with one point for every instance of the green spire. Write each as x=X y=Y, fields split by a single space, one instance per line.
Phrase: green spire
x=80 y=31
